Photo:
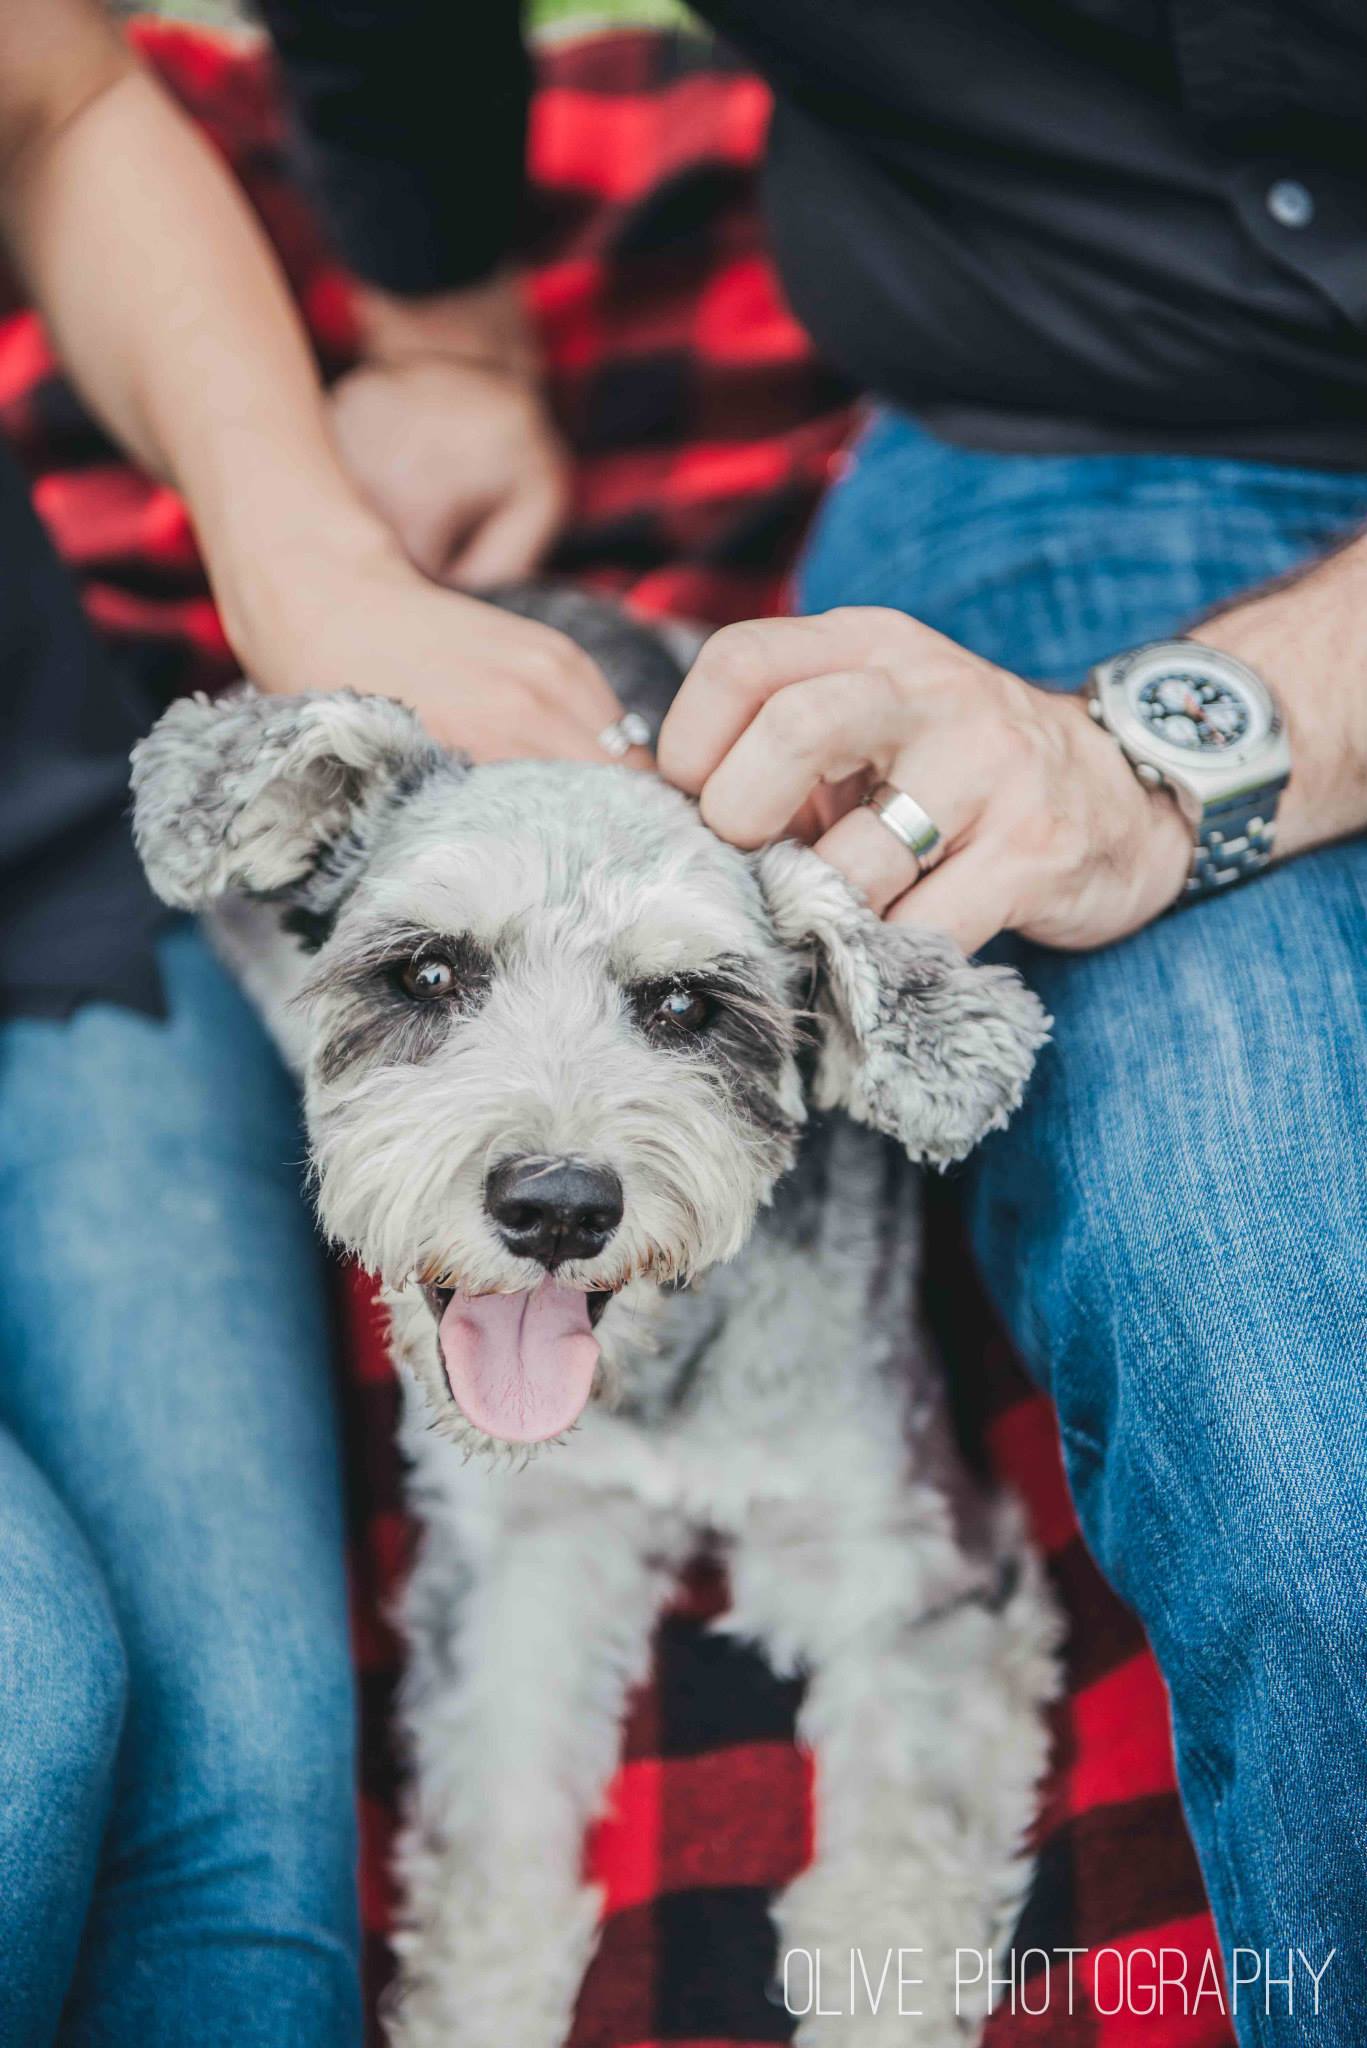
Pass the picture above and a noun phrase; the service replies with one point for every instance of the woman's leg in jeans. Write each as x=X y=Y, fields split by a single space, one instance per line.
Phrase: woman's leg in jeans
x=1176 y=1221
x=63 y=1687
x=165 y=1363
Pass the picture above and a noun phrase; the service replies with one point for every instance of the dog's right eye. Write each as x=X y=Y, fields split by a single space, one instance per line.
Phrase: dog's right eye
x=673 y=1012
x=428 y=979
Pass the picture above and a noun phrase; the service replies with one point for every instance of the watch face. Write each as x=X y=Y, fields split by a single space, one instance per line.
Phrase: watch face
x=1198 y=705
x=1192 y=711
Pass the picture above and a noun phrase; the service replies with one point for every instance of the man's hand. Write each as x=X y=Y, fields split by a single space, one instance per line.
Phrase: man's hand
x=445 y=428
x=784 y=723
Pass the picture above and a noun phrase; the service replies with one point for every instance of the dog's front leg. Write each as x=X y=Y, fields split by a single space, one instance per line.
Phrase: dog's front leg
x=514 y=1713
x=927 y=1677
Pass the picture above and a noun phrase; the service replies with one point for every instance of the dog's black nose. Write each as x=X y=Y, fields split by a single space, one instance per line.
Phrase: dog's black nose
x=553 y=1210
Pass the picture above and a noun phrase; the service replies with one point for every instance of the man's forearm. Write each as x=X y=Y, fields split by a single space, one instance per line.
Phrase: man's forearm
x=1308 y=639
x=166 y=304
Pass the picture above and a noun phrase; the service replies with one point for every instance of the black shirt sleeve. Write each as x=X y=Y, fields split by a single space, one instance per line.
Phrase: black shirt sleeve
x=411 y=118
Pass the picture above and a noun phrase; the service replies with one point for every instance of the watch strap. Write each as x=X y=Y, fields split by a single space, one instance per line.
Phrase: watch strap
x=1234 y=840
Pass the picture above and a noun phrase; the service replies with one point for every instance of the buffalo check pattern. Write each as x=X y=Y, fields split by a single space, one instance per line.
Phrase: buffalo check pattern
x=704 y=429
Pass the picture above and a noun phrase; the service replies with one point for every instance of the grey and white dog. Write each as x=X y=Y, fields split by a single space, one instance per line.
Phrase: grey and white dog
x=571 y=1071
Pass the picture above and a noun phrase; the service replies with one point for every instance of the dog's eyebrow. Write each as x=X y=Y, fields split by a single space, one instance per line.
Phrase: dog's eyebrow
x=727 y=976
x=654 y=946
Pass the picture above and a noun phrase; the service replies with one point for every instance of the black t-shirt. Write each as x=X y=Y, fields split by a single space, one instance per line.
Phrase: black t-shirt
x=1041 y=224
x=76 y=916
x=1038 y=223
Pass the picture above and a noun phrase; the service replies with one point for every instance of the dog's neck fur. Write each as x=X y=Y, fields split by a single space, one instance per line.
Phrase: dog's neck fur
x=767 y=1349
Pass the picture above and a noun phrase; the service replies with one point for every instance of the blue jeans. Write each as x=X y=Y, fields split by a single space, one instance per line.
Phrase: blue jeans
x=1175 y=1224
x=177 y=1834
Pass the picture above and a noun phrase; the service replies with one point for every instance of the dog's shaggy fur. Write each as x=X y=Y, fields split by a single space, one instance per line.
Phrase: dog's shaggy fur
x=752 y=1391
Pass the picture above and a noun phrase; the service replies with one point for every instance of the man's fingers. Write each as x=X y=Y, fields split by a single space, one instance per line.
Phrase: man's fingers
x=965 y=896
x=868 y=856
x=741 y=667
x=825 y=728
x=827 y=802
x=869 y=853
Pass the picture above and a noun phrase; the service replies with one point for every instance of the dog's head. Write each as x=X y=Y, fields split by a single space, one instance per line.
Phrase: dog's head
x=559 y=1037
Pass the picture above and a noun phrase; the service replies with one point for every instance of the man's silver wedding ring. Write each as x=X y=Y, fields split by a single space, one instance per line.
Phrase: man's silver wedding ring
x=908 y=823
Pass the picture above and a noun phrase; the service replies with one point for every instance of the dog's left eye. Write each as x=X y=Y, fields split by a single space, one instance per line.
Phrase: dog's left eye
x=428 y=979
x=681 y=1012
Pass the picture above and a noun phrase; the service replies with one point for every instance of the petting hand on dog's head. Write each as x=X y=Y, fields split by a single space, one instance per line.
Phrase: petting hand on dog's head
x=484 y=681
x=782 y=725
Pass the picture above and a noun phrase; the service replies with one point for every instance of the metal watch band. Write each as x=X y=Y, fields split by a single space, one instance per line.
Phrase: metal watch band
x=1235 y=841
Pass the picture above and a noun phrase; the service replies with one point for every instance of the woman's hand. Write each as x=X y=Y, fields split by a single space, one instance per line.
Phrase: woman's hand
x=783 y=725
x=174 y=319
x=360 y=617
x=446 y=430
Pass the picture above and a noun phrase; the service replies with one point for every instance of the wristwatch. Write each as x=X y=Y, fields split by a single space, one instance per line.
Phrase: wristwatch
x=1203 y=726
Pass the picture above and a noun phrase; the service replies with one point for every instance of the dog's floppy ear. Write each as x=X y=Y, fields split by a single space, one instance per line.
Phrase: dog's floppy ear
x=258 y=794
x=914 y=1039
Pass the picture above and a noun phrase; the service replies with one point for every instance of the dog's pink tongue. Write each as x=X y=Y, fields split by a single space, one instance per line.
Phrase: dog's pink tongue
x=520 y=1366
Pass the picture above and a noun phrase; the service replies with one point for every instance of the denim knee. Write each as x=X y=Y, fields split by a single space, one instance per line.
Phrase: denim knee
x=290 y=1778
x=1190 y=1318
x=1187 y=1295
x=63 y=1672
x=1221 y=1497
x=240 y=1778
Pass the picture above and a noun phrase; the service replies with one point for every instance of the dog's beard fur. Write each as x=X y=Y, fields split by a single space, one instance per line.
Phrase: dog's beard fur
x=542 y=1054
x=402 y=1154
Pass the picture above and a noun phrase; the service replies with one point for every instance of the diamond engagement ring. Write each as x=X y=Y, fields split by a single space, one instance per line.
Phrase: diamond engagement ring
x=626 y=732
x=908 y=823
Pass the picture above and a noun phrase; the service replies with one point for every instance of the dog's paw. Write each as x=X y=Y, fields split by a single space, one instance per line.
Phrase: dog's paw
x=493 y=1971
x=867 y=1959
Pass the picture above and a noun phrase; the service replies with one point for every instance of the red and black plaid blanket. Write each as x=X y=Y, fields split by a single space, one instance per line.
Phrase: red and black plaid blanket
x=704 y=430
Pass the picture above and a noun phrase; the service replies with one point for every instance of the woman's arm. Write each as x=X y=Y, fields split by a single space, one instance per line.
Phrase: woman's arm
x=419 y=168
x=164 y=300
x=1048 y=830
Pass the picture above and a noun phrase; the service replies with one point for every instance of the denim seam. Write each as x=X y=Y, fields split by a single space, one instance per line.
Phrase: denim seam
x=1080 y=1440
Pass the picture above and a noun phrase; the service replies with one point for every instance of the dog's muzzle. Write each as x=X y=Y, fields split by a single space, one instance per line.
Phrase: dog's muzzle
x=521 y=1366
